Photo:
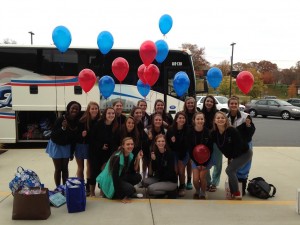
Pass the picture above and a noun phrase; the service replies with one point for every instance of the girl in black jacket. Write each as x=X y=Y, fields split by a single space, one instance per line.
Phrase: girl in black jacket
x=86 y=122
x=102 y=144
x=197 y=135
x=164 y=180
x=152 y=131
x=176 y=141
x=137 y=114
x=233 y=147
x=62 y=141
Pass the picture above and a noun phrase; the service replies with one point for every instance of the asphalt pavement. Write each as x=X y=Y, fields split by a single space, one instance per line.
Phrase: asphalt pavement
x=278 y=165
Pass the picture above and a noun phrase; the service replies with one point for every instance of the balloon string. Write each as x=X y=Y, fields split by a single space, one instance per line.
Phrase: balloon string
x=86 y=97
x=151 y=100
x=62 y=66
x=120 y=90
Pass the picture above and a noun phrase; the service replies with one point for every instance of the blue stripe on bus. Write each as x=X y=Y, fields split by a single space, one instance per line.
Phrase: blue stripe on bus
x=45 y=81
x=126 y=95
x=7 y=114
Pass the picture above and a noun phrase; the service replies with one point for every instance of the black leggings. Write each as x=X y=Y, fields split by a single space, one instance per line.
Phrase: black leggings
x=98 y=160
x=61 y=170
x=127 y=188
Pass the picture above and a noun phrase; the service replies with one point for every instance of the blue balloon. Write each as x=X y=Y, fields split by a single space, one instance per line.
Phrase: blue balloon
x=165 y=23
x=181 y=83
x=214 y=77
x=106 y=86
x=162 y=50
x=62 y=38
x=143 y=89
x=105 y=42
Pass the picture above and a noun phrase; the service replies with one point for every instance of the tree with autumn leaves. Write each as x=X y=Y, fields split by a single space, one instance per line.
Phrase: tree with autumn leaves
x=265 y=73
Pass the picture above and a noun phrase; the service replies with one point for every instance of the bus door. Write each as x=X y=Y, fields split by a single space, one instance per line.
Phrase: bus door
x=7 y=116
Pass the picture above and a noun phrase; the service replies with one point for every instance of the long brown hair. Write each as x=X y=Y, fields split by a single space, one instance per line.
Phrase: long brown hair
x=115 y=123
x=86 y=117
x=174 y=126
x=125 y=133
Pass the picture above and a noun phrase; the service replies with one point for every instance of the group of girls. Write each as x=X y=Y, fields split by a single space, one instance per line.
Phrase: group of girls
x=115 y=146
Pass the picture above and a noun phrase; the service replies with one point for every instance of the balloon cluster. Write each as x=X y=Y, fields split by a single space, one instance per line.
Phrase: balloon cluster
x=244 y=79
x=148 y=73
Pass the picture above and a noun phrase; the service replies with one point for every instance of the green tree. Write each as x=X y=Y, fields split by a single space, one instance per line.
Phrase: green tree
x=224 y=87
x=258 y=86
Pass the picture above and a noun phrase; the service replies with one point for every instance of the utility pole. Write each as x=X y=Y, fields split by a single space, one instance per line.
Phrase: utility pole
x=231 y=68
x=31 y=38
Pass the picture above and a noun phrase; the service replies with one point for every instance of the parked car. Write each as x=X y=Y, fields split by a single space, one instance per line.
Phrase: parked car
x=270 y=97
x=294 y=101
x=222 y=103
x=273 y=107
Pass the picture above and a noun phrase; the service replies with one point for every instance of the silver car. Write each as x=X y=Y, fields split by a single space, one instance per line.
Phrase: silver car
x=273 y=107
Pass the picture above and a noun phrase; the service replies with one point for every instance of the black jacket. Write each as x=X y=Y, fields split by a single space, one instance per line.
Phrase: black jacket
x=230 y=143
x=194 y=138
x=164 y=166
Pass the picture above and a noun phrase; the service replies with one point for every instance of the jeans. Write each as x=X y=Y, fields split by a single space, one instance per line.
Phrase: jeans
x=217 y=168
x=243 y=172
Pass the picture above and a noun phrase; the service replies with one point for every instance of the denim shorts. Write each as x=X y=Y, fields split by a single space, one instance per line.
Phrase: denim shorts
x=207 y=167
x=81 y=151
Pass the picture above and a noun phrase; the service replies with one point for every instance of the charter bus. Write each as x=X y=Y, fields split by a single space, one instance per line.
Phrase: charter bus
x=37 y=82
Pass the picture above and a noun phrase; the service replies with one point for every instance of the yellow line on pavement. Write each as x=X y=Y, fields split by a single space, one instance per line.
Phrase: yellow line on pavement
x=190 y=201
x=262 y=202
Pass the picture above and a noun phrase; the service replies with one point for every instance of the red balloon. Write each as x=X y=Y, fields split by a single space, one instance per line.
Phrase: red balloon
x=141 y=71
x=244 y=81
x=86 y=79
x=148 y=52
x=151 y=74
x=120 y=68
x=201 y=153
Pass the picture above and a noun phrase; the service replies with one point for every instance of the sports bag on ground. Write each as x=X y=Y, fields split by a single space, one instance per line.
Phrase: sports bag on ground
x=75 y=195
x=24 y=178
x=259 y=188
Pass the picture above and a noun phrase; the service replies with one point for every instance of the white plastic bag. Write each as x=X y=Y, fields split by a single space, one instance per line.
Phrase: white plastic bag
x=227 y=190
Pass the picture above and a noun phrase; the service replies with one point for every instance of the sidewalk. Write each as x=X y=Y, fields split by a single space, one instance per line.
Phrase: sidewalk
x=278 y=165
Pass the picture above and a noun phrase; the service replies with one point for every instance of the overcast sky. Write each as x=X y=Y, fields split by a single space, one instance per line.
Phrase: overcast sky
x=261 y=29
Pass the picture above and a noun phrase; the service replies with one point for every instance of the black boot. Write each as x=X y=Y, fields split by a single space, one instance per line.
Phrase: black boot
x=244 y=185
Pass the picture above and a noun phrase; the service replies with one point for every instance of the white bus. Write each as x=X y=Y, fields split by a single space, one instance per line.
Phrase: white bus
x=37 y=82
